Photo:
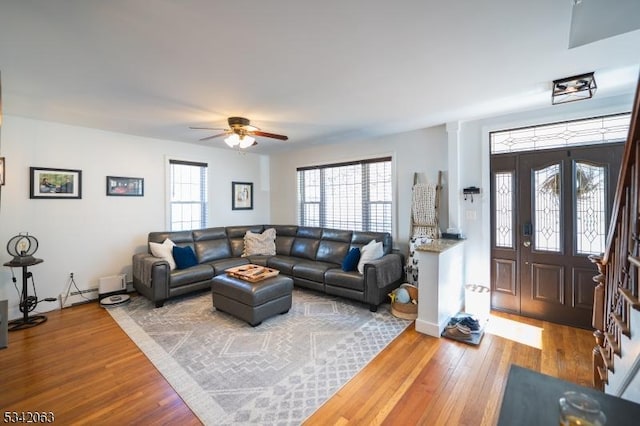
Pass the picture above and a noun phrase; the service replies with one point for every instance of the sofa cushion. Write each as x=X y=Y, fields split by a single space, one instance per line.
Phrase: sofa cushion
x=192 y=275
x=283 y=264
x=338 y=278
x=361 y=238
x=350 y=262
x=313 y=271
x=255 y=244
x=164 y=251
x=332 y=251
x=285 y=234
x=179 y=237
x=305 y=245
x=184 y=257
x=211 y=244
x=220 y=265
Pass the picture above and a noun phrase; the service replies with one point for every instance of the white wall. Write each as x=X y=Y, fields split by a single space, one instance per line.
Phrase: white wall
x=97 y=235
x=423 y=151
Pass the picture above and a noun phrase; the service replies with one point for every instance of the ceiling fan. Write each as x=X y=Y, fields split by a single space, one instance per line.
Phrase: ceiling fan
x=240 y=133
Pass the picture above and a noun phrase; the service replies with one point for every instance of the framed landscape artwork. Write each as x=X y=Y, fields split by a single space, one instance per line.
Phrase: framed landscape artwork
x=241 y=195
x=55 y=183
x=125 y=186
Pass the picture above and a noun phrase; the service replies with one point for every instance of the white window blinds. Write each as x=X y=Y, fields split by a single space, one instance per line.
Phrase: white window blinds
x=188 y=202
x=355 y=195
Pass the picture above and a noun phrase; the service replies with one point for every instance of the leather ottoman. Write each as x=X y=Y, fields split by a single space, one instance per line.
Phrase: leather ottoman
x=252 y=302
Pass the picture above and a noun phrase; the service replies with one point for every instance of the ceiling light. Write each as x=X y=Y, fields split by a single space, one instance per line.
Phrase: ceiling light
x=232 y=140
x=241 y=141
x=246 y=141
x=573 y=88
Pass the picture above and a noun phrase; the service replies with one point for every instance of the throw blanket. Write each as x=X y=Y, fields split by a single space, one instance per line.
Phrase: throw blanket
x=423 y=211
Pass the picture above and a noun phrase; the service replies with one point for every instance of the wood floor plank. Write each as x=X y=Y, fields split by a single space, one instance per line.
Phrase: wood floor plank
x=81 y=366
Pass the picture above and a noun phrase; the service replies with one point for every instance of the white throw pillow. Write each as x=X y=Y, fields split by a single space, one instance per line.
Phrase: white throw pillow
x=260 y=244
x=371 y=251
x=164 y=251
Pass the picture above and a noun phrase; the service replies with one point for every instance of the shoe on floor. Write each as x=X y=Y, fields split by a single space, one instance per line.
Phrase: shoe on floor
x=470 y=322
x=466 y=320
x=458 y=331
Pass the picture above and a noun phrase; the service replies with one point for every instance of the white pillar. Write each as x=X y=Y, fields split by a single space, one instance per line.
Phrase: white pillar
x=453 y=178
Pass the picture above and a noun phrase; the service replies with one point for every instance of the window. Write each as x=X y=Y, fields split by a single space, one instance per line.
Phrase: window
x=188 y=195
x=355 y=195
x=598 y=130
x=503 y=184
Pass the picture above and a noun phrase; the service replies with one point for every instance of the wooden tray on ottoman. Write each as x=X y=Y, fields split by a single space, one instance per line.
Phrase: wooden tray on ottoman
x=252 y=273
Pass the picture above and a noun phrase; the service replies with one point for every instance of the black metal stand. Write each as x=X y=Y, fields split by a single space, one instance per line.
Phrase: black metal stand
x=26 y=321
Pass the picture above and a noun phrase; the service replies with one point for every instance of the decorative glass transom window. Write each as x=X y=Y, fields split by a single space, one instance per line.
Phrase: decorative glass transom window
x=599 y=130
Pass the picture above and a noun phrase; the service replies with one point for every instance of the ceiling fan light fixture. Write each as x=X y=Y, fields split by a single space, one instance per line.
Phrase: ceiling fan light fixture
x=232 y=140
x=574 y=88
x=240 y=133
x=246 y=141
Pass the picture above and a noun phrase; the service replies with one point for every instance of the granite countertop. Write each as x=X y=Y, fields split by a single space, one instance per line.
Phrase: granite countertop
x=439 y=245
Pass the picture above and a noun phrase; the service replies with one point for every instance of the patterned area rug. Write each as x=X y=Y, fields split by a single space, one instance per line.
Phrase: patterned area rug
x=277 y=373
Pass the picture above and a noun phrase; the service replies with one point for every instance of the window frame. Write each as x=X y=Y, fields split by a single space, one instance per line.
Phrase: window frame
x=204 y=202
x=365 y=208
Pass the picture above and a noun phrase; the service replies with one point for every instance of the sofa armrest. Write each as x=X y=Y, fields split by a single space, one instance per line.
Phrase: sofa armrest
x=381 y=276
x=151 y=277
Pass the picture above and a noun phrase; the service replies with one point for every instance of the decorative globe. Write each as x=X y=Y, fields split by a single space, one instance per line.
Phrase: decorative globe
x=402 y=296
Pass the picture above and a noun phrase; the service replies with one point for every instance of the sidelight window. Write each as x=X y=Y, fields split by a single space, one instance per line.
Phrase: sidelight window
x=591 y=212
x=503 y=184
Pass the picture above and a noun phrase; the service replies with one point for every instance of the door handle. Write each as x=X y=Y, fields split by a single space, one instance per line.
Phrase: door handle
x=526 y=243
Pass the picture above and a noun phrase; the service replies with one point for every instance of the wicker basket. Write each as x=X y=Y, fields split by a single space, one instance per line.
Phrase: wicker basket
x=407 y=311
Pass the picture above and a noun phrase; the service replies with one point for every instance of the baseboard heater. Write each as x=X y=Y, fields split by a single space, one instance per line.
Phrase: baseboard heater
x=78 y=297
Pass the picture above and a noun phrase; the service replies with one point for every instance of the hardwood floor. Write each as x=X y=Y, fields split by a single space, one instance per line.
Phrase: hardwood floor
x=83 y=368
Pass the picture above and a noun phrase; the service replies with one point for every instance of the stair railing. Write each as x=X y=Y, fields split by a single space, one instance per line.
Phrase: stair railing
x=617 y=291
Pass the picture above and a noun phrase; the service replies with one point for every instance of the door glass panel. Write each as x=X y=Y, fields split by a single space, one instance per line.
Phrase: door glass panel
x=590 y=208
x=504 y=209
x=546 y=205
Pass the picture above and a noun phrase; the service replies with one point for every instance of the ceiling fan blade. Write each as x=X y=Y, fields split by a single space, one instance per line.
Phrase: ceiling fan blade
x=270 y=135
x=214 y=136
x=208 y=128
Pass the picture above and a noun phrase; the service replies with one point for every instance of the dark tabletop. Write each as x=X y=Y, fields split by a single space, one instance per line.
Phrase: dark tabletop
x=531 y=398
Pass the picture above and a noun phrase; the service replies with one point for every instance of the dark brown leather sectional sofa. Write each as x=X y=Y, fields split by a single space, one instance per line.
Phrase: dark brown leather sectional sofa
x=311 y=256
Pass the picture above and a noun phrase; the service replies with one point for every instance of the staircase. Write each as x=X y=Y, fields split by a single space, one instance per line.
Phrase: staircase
x=616 y=306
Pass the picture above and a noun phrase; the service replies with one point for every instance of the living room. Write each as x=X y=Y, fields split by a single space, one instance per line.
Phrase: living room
x=96 y=235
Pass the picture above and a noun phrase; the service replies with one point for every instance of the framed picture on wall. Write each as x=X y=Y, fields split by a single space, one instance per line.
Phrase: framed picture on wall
x=125 y=186
x=241 y=195
x=55 y=183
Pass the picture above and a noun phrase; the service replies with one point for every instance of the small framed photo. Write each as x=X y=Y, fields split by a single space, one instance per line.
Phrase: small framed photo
x=55 y=183
x=241 y=195
x=125 y=186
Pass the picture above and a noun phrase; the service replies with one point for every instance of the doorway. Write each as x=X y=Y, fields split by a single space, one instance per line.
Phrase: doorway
x=549 y=211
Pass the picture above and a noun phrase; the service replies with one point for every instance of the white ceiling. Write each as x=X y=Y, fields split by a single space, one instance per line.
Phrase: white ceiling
x=317 y=71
